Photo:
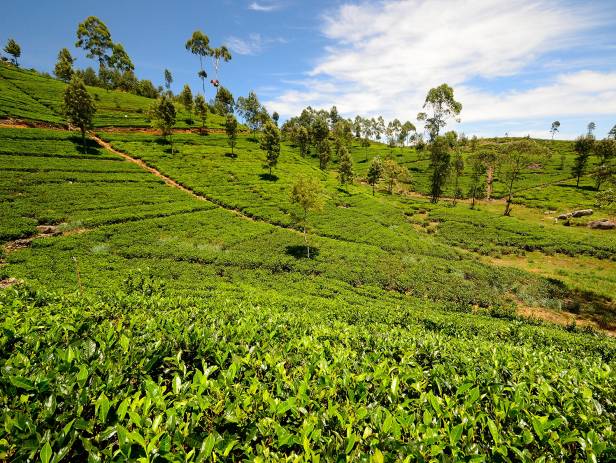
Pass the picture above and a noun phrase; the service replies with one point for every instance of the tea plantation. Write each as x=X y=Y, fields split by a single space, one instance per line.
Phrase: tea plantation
x=162 y=307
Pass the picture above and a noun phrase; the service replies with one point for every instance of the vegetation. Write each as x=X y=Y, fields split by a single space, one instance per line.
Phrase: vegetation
x=79 y=107
x=231 y=131
x=191 y=308
x=12 y=48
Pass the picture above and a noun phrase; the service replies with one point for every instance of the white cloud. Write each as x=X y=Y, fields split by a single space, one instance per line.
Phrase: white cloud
x=264 y=7
x=385 y=56
x=253 y=45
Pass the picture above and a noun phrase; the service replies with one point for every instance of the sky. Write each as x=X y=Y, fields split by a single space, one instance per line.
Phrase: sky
x=515 y=65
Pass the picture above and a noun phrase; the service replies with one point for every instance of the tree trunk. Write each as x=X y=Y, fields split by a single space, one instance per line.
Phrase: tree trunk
x=83 y=139
x=509 y=199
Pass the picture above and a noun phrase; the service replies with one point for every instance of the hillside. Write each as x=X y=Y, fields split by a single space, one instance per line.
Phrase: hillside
x=168 y=309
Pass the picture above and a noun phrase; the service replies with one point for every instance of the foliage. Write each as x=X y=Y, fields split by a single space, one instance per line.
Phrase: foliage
x=307 y=193
x=201 y=109
x=79 y=108
x=250 y=109
x=605 y=151
x=94 y=37
x=440 y=160
x=163 y=116
x=168 y=79
x=583 y=147
x=231 y=131
x=199 y=44
x=375 y=172
x=13 y=49
x=345 y=166
x=224 y=102
x=392 y=173
x=514 y=157
x=442 y=106
x=124 y=376
x=270 y=143
x=186 y=98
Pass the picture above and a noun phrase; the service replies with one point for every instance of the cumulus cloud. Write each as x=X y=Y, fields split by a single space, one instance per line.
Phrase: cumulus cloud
x=385 y=56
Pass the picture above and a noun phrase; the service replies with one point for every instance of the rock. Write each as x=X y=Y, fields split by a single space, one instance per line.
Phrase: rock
x=48 y=230
x=564 y=216
x=603 y=224
x=581 y=213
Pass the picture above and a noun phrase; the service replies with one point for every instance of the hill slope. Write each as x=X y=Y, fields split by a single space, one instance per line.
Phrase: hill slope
x=166 y=323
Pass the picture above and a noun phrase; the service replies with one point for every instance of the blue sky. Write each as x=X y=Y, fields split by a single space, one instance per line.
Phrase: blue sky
x=516 y=66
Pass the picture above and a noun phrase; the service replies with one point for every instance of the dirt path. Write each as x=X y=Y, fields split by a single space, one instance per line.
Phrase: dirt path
x=168 y=180
x=26 y=124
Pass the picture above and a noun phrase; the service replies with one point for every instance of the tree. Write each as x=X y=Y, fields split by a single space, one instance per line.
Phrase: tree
x=89 y=76
x=64 y=66
x=231 y=131
x=163 y=114
x=477 y=186
x=458 y=170
x=168 y=80
x=307 y=193
x=514 y=157
x=333 y=116
x=554 y=129
x=319 y=130
x=591 y=127
x=201 y=110
x=367 y=131
x=605 y=151
x=583 y=147
x=79 y=108
x=186 y=98
x=375 y=172
x=442 y=106
x=270 y=143
x=343 y=135
x=392 y=172
x=218 y=54
x=303 y=140
x=119 y=59
x=199 y=44
x=357 y=126
x=440 y=160
x=345 y=166
x=224 y=102
x=250 y=108
x=13 y=49
x=275 y=118
x=406 y=131
x=325 y=153
x=612 y=133
x=94 y=37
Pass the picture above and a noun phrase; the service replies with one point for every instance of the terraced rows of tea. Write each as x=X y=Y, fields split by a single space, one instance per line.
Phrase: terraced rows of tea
x=144 y=322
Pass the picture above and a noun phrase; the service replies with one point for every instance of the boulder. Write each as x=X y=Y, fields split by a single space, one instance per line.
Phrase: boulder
x=581 y=213
x=603 y=224
x=564 y=216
